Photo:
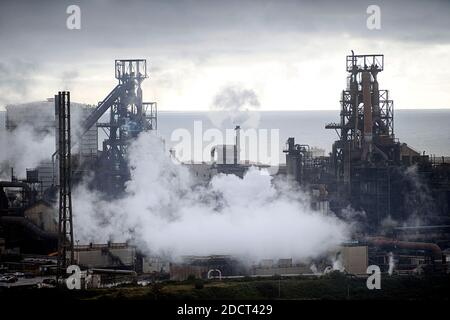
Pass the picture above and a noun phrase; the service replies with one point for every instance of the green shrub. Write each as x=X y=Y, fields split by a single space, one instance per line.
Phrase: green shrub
x=199 y=284
x=191 y=278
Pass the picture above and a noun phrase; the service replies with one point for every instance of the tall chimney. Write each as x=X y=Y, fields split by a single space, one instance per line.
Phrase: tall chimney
x=237 y=154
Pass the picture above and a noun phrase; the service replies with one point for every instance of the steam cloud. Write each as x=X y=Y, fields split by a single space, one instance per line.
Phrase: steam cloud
x=391 y=263
x=68 y=79
x=32 y=141
x=15 y=80
x=24 y=148
x=419 y=201
x=419 y=204
x=235 y=105
x=165 y=213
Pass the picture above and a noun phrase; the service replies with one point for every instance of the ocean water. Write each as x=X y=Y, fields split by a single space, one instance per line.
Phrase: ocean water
x=423 y=130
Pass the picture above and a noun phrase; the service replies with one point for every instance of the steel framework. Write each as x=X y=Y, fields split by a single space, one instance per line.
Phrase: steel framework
x=65 y=226
x=365 y=126
x=128 y=117
x=364 y=157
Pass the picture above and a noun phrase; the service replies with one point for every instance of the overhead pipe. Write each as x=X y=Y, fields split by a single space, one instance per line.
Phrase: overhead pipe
x=388 y=242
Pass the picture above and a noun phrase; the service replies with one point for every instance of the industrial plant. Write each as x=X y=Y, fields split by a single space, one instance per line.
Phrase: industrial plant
x=369 y=173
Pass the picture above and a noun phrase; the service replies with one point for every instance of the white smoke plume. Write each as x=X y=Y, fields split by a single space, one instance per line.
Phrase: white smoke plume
x=32 y=140
x=391 y=263
x=16 y=80
x=235 y=105
x=353 y=217
x=68 y=79
x=314 y=270
x=337 y=262
x=165 y=213
x=24 y=148
x=419 y=202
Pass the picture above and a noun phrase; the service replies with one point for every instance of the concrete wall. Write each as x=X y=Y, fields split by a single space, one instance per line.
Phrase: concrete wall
x=180 y=272
x=100 y=258
x=281 y=271
x=155 y=264
x=355 y=259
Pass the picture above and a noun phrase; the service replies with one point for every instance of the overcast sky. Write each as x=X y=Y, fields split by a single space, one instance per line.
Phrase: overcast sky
x=291 y=53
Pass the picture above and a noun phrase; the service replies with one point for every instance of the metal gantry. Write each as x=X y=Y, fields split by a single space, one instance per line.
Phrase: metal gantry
x=128 y=117
x=65 y=226
x=363 y=157
x=366 y=126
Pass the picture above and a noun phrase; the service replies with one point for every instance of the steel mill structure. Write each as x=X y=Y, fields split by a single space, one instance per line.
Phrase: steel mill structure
x=128 y=117
x=365 y=157
x=367 y=176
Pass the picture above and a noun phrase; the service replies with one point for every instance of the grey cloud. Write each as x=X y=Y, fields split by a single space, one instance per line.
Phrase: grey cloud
x=235 y=105
x=68 y=77
x=172 y=33
x=15 y=79
x=182 y=27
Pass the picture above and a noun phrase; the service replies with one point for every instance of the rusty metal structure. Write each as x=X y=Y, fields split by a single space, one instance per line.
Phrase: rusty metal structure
x=366 y=129
x=366 y=158
x=65 y=225
x=369 y=170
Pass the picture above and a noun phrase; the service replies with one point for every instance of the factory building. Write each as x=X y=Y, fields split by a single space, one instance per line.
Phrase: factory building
x=205 y=267
x=365 y=171
x=368 y=168
x=40 y=118
x=110 y=255
x=155 y=265
x=354 y=258
x=283 y=267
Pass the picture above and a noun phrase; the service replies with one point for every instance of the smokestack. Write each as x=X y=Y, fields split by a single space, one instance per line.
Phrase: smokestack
x=293 y=160
x=237 y=153
x=367 y=100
